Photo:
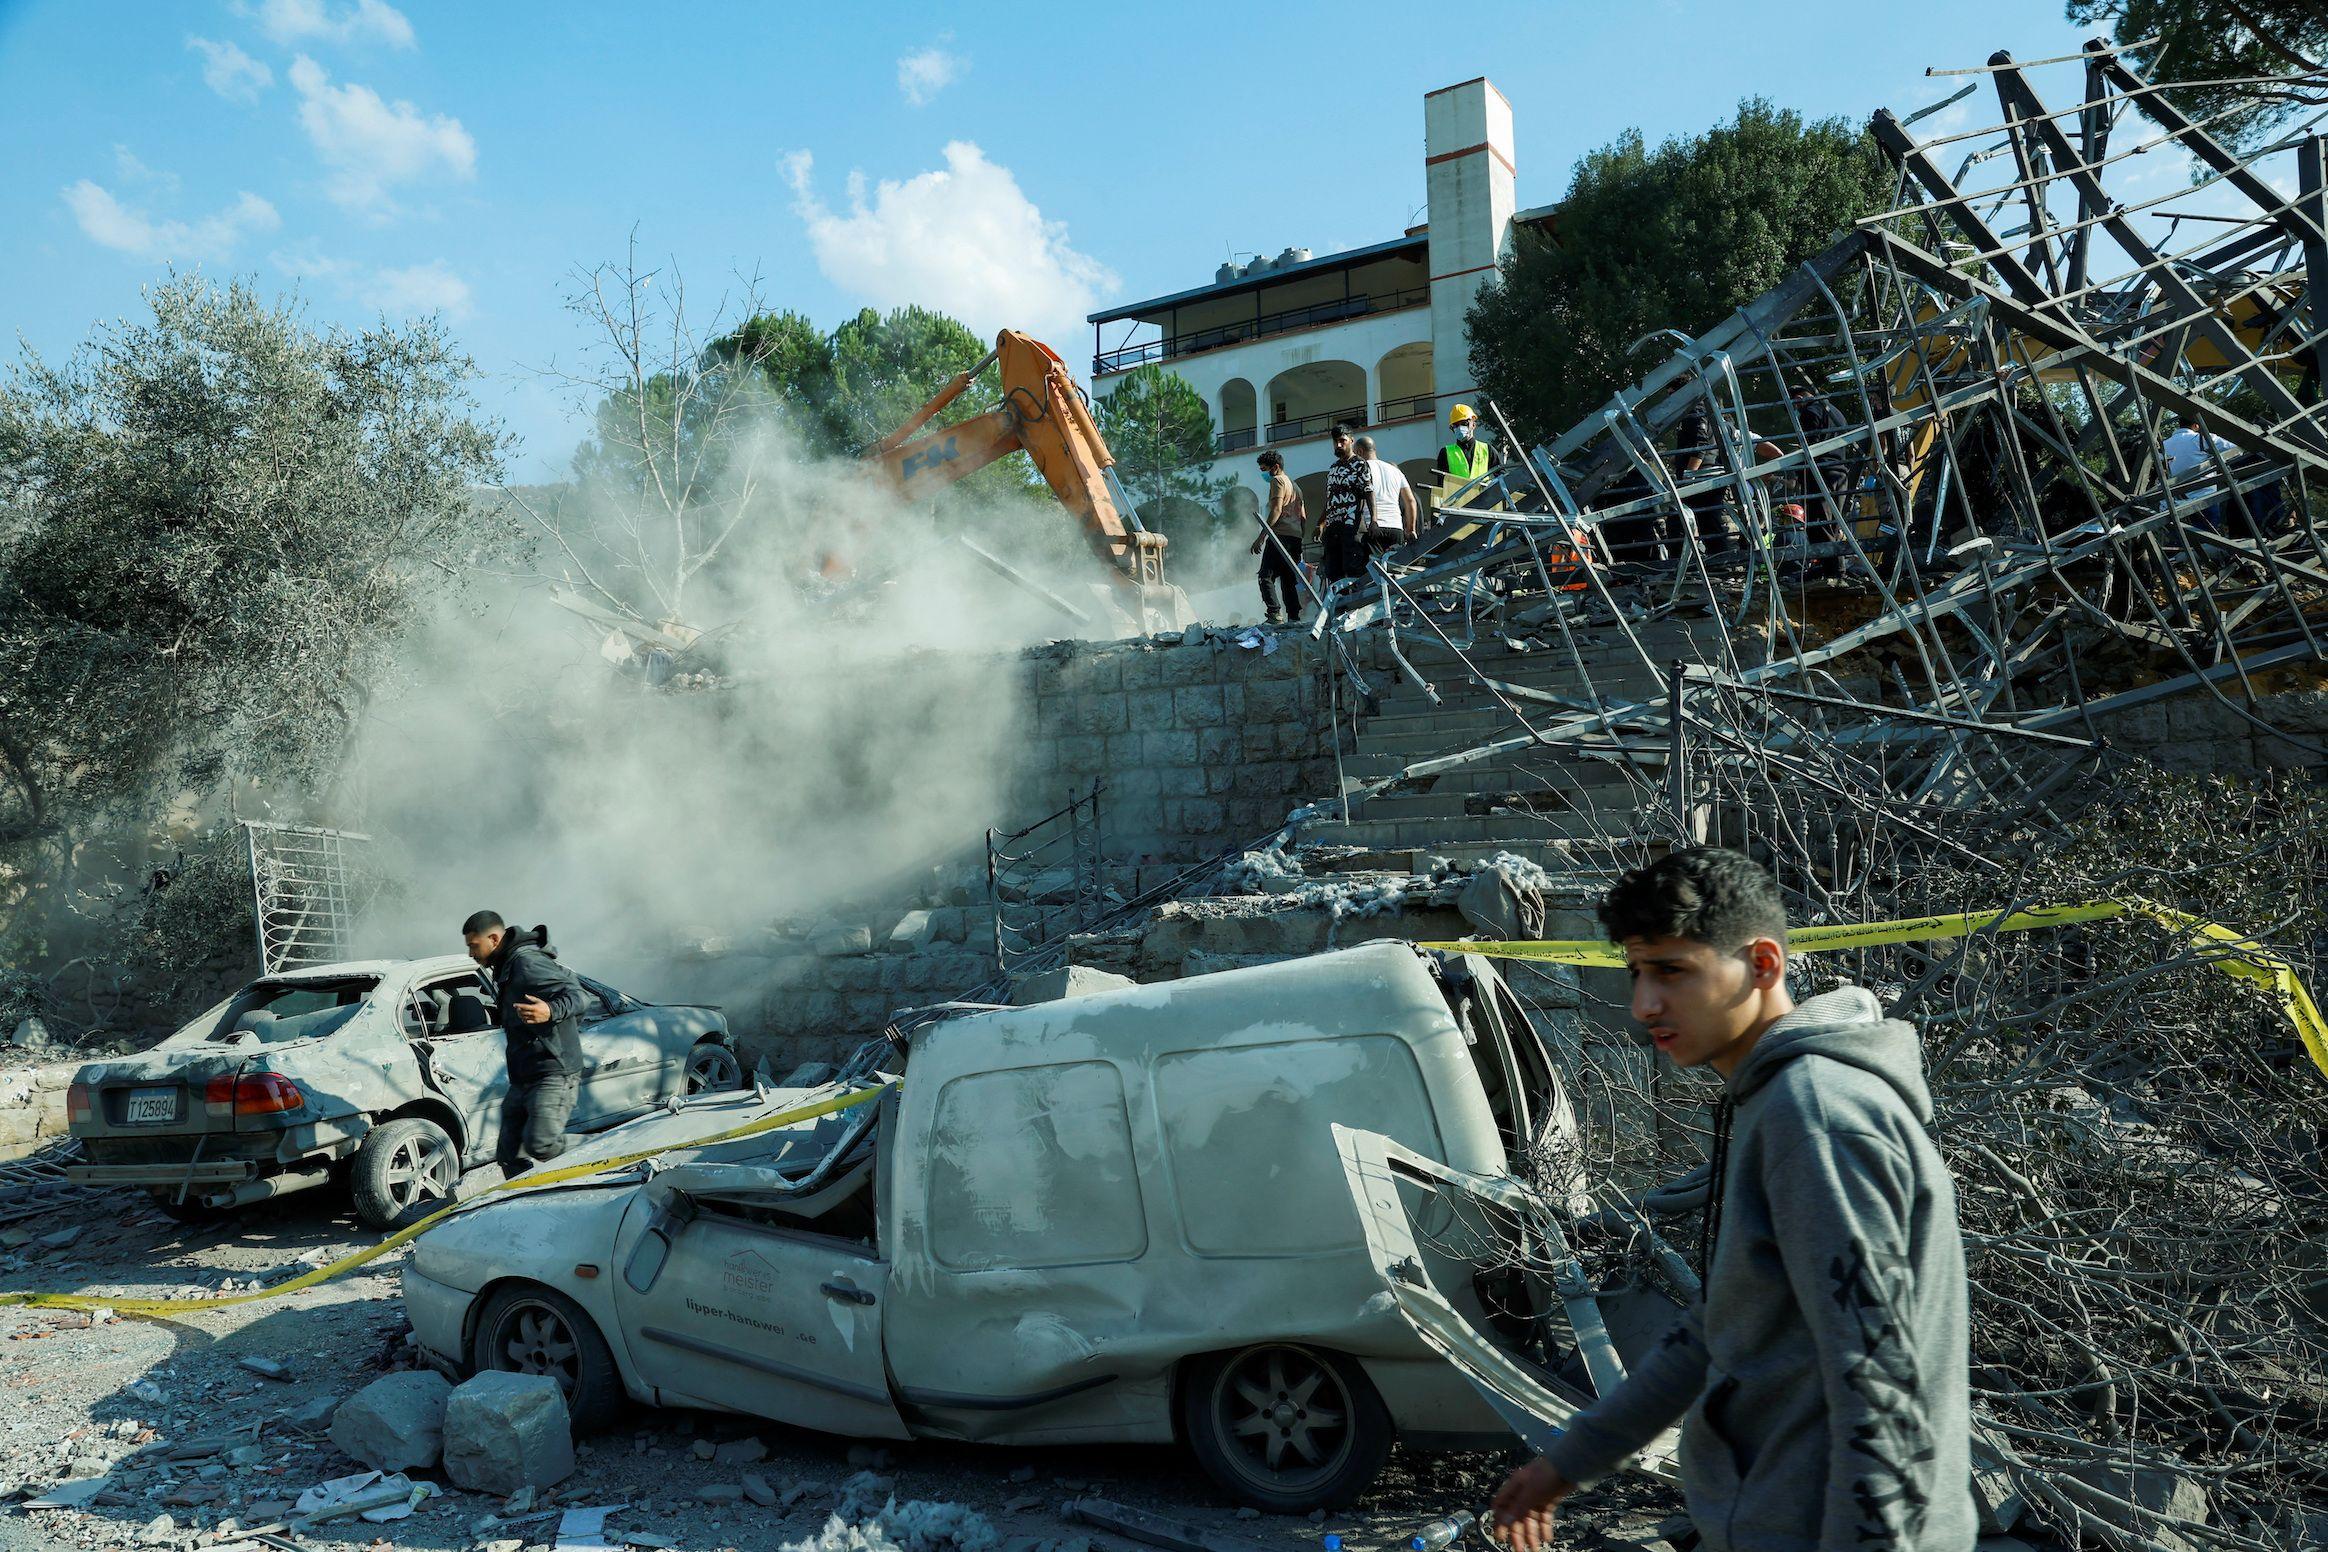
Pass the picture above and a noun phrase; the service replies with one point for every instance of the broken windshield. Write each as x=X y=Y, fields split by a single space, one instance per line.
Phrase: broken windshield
x=274 y=1011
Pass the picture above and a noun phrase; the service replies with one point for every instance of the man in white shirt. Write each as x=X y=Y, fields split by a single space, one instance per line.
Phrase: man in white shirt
x=2190 y=452
x=1395 y=517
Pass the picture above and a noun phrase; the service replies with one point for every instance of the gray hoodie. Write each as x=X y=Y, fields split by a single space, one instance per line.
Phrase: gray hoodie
x=1821 y=1387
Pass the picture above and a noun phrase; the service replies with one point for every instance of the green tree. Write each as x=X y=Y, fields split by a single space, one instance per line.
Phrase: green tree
x=1161 y=433
x=2233 y=42
x=886 y=366
x=216 y=526
x=1672 y=238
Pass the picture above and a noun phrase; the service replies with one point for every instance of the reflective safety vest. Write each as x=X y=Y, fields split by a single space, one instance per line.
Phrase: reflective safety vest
x=1465 y=463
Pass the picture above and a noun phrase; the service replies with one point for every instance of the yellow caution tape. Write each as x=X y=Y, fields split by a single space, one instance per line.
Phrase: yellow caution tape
x=2231 y=952
x=403 y=1236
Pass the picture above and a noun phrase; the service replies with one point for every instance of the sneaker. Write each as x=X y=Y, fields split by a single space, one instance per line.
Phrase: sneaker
x=1273 y=618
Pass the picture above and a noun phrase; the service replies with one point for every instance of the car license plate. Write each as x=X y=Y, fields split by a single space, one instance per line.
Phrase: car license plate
x=149 y=1106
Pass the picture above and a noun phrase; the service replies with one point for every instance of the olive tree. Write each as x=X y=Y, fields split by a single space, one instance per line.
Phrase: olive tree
x=217 y=522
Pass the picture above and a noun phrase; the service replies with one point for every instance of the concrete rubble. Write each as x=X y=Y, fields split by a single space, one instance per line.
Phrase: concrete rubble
x=503 y=1432
x=396 y=1423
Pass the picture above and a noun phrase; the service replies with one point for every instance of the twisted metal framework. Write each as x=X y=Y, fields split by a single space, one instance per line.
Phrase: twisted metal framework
x=1925 y=484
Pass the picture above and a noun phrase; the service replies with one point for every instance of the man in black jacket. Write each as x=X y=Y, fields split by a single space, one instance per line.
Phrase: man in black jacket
x=538 y=1003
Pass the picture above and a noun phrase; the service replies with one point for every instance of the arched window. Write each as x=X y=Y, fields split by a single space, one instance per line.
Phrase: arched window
x=1239 y=418
x=1305 y=401
x=1403 y=384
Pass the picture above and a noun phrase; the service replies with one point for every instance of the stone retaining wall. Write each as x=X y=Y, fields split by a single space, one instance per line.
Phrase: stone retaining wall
x=32 y=1106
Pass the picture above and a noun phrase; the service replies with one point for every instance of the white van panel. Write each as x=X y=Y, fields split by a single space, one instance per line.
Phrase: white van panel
x=1032 y=1167
x=1222 y=1111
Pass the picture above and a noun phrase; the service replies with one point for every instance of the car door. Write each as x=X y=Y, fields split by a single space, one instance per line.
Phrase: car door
x=719 y=1309
x=463 y=1058
x=623 y=1062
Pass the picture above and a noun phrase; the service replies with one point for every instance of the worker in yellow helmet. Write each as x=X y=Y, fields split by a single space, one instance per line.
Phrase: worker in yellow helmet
x=1465 y=456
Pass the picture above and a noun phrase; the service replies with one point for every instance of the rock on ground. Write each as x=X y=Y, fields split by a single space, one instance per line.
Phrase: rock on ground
x=396 y=1423
x=503 y=1432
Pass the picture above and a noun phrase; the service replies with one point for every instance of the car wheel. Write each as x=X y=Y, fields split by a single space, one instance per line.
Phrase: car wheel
x=528 y=1329
x=712 y=1069
x=402 y=1163
x=1285 y=1428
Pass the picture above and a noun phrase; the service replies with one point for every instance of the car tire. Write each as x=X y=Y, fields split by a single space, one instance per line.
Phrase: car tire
x=1253 y=1419
x=525 y=1328
x=713 y=1069
x=401 y=1164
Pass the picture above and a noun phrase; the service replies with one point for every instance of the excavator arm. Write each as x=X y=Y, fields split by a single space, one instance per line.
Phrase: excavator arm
x=1042 y=415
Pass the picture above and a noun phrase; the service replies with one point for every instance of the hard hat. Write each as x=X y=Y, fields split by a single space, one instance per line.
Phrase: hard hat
x=1459 y=414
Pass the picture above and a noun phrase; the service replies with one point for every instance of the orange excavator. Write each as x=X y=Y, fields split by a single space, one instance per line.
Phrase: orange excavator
x=1043 y=415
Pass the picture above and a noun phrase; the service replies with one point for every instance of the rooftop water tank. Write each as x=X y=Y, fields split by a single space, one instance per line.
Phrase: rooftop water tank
x=1259 y=266
x=1225 y=274
x=1293 y=256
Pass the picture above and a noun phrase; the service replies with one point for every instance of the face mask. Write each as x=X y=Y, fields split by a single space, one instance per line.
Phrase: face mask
x=1463 y=432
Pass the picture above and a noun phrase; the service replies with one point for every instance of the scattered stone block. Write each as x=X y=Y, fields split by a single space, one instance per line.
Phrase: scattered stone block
x=840 y=940
x=507 y=1431
x=740 y=1452
x=396 y=1423
x=1064 y=982
x=2104 y=1489
x=756 y=1488
x=720 y=1493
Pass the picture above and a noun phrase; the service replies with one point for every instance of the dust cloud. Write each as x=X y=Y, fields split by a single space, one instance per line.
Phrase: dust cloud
x=846 y=731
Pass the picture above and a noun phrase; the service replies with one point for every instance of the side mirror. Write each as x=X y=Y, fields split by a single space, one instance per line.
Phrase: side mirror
x=673 y=1212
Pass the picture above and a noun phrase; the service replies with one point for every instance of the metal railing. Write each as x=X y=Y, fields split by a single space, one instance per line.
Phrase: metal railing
x=303 y=893
x=1316 y=425
x=1175 y=345
x=1233 y=441
x=1404 y=409
x=1046 y=881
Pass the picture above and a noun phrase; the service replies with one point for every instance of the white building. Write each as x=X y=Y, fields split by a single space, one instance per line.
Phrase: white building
x=1283 y=348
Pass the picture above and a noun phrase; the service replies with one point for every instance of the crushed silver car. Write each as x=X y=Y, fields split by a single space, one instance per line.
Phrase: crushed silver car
x=387 y=1074
x=1117 y=1217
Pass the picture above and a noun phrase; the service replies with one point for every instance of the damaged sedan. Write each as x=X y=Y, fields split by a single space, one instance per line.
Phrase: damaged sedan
x=1117 y=1217
x=388 y=1076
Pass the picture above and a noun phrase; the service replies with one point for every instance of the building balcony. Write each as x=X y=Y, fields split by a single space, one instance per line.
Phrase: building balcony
x=1172 y=347
x=1302 y=428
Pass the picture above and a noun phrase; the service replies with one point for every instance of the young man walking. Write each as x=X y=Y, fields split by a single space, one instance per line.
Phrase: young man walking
x=1821 y=1384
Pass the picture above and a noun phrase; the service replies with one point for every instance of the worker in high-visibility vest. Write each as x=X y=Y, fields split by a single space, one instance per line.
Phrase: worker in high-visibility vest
x=1465 y=457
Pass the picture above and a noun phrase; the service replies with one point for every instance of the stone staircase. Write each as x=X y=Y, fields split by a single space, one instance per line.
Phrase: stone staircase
x=1569 y=809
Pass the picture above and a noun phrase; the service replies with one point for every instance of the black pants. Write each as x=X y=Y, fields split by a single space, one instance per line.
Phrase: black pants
x=533 y=1118
x=1281 y=576
x=1345 y=552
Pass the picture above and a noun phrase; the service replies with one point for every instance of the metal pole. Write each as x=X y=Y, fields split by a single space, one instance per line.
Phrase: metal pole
x=1677 y=752
x=994 y=905
x=258 y=900
x=2312 y=173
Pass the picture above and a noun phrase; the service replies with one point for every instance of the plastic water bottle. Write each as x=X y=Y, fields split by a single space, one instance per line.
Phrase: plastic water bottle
x=1441 y=1533
x=1333 y=1542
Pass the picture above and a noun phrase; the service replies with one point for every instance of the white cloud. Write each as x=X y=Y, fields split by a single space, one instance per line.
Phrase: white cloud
x=230 y=72
x=372 y=145
x=127 y=229
x=132 y=170
x=924 y=73
x=407 y=292
x=302 y=21
x=964 y=239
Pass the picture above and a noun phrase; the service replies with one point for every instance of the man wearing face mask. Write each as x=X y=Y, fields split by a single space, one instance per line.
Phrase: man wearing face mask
x=1465 y=457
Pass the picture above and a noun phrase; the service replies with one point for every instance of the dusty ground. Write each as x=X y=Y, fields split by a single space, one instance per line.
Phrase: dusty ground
x=78 y=1396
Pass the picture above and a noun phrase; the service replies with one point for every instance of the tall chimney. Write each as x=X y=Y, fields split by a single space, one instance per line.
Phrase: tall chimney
x=1471 y=182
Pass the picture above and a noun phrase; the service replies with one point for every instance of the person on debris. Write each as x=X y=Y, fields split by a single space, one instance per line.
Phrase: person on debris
x=2191 y=451
x=538 y=1004
x=1830 y=482
x=1395 y=518
x=1697 y=456
x=1279 y=546
x=1465 y=457
x=1349 y=511
x=1821 y=1383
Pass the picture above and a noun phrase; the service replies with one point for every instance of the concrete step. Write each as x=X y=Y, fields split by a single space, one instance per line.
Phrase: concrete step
x=1436 y=834
x=1496 y=773
x=1606 y=798
x=1571 y=863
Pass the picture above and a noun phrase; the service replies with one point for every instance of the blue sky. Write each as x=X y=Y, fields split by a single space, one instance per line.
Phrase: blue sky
x=413 y=156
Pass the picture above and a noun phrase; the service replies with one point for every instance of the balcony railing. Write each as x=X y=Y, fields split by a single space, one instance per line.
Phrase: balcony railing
x=1315 y=425
x=1234 y=441
x=1403 y=409
x=1244 y=329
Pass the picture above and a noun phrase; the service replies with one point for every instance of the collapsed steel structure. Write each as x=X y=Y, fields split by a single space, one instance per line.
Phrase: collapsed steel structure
x=1924 y=484
x=1927 y=467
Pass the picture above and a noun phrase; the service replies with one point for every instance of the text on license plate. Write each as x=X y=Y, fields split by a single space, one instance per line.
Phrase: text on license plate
x=147 y=1106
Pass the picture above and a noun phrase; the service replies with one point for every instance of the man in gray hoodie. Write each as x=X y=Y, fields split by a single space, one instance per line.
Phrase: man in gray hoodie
x=1821 y=1385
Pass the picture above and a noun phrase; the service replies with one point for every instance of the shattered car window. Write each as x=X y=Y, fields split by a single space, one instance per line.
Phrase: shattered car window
x=606 y=1001
x=273 y=1011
